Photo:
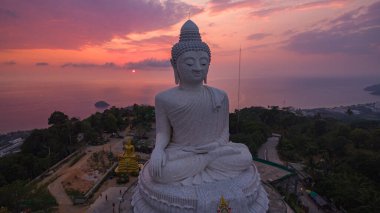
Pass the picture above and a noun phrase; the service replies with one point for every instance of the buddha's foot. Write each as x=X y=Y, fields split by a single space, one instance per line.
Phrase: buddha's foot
x=225 y=150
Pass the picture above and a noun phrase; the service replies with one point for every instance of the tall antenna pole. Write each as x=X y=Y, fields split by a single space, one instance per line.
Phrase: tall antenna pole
x=238 y=95
x=238 y=105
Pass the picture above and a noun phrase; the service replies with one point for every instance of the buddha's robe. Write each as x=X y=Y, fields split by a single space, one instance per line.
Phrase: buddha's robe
x=199 y=150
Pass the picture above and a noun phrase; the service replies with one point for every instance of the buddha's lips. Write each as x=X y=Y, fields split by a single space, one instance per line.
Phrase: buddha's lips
x=197 y=73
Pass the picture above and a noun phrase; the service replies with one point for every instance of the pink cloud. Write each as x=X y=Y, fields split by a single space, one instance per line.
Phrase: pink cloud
x=305 y=6
x=71 y=24
x=267 y=12
x=319 y=4
x=217 y=6
x=165 y=40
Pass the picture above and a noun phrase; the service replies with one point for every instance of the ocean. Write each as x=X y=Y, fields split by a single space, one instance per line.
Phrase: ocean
x=27 y=104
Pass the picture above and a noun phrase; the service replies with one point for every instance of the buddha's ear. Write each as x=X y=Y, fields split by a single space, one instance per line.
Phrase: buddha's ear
x=176 y=76
x=205 y=80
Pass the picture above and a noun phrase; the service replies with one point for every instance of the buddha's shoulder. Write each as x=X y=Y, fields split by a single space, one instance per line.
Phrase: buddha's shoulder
x=218 y=92
x=167 y=95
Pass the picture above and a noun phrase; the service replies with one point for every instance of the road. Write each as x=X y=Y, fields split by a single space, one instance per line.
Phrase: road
x=269 y=173
x=268 y=151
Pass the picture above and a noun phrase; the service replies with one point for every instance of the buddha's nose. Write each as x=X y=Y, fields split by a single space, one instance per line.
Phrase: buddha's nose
x=197 y=67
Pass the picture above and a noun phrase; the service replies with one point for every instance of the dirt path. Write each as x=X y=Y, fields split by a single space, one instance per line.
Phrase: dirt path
x=56 y=188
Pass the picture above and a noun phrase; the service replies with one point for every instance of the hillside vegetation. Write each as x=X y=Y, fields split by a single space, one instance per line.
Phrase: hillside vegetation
x=342 y=158
x=45 y=147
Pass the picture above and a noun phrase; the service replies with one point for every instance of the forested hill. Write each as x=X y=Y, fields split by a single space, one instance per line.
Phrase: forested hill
x=342 y=157
x=45 y=147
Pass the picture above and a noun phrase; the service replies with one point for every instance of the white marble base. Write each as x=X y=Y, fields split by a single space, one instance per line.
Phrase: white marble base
x=244 y=193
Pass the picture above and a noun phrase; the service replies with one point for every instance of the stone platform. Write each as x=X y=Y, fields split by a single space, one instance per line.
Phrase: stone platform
x=243 y=193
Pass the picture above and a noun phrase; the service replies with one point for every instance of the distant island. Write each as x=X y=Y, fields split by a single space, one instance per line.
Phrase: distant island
x=374 y=89
x=101 y=104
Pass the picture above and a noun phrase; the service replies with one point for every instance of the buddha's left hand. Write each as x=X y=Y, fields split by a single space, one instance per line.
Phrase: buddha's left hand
x=158 y=160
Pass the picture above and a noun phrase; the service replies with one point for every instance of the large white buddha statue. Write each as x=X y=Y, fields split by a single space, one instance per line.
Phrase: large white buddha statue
x=193 y=163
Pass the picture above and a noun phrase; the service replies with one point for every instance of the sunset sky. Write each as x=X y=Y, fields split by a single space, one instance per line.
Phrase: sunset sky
x=98 y=43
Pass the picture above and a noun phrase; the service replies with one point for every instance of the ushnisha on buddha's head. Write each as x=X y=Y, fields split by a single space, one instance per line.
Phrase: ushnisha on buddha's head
x=190 y=56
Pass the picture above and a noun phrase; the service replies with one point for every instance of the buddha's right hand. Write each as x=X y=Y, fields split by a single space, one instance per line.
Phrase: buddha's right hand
x=158 y=160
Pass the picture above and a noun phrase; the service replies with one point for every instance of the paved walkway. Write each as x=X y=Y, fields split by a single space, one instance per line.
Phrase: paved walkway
x=108 y=201
x=125 y=204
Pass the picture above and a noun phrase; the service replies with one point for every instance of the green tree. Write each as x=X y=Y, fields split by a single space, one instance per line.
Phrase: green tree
x=110 y=122
x=349 y=112
x=57 y=118
x=12 y=194
x=360 y=137
x=320 y=127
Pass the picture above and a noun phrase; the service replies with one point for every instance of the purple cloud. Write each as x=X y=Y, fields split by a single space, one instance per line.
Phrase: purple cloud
x=108 y=65
x=148 y=64
x=356 y=32
x=71 y=24
x=7 y=14
x=8 y=63
x=42 y=64
x=258 y=36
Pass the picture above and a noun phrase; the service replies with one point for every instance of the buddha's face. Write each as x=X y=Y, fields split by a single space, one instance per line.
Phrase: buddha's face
x=192 y=67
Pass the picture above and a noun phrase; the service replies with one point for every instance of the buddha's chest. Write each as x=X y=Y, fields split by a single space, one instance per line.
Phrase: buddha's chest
x=190 y=105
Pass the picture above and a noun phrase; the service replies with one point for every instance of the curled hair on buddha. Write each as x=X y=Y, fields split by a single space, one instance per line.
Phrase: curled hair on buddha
x=189 y=40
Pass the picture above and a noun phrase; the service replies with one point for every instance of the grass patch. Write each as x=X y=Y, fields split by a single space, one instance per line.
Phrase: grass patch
x=74 y=193
x=39 y=199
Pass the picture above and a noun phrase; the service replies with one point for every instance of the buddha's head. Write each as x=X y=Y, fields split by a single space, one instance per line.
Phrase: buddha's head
x=129 y=142
x=190 y=56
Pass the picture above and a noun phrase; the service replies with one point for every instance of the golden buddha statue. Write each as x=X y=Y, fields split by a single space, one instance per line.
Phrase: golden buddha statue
x=129 y=149
x=128 y=161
